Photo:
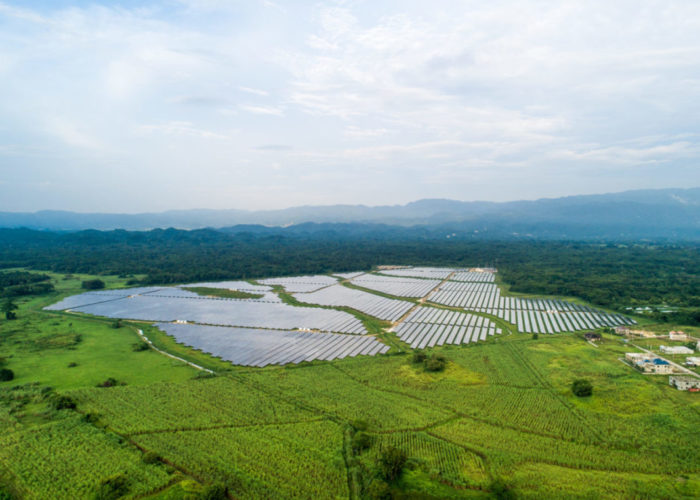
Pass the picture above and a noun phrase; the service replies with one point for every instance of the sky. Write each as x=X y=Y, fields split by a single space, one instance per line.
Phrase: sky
x=149 y=106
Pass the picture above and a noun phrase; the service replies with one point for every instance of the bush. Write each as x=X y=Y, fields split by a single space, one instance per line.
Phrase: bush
x=151 y=457
x=535 y=336
x=419 y=357
x=62 y=402
x=110 y=382
x=112 y=488
x=391 y=463
x=95 y=284
x=72 y=364
x=117 y=324
x=6 y=375
x=139 y=346
x=379 y=490
x=436 y=363
x=500 y=490
x=582 y=387
x=214 y=492
x=361 y=441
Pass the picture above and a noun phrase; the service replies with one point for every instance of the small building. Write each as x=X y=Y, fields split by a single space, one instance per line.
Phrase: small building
x=692 y=361
x=648 y=363
x=592 y=336
x=685 y=383
x=622 y=330
x=677 y=335
x=633 y=357
x=675 y=349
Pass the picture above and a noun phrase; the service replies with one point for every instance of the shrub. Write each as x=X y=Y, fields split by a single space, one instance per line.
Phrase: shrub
x=391 y=463
x=378 y=490
x=95 y=284
x=6 y=375
x=582 y=387
x=110 y=382
x=117 y=324
x=436 y=363
x=535 y=336
x=72 y=364
x=151 y=457
x=112 y=488
x=500 y=490
x=214 y=492
x=62 y=402
x=361 y=441
x=418 y=357
x=139 y=346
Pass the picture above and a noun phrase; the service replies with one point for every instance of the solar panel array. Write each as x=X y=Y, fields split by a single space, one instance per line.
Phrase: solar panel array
x=439 y=273
x=301 y=283
x=430 y=326
x=255 y=347
x=226 y=312
x=374 y=305
x=349 y=276
x=242 y=286
x=96 y=297
x=477 y=276
x=529 y=315
x=400 y=287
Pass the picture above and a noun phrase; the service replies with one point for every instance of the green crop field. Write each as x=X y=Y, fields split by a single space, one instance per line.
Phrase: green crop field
x=499 y=421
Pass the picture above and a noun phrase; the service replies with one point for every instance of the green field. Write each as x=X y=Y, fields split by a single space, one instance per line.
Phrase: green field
x=499 y=421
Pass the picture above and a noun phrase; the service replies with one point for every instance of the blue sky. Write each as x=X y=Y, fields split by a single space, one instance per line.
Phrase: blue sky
x=133 y=106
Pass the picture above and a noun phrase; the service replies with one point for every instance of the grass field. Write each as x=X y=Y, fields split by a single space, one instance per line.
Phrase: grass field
x=501 y=417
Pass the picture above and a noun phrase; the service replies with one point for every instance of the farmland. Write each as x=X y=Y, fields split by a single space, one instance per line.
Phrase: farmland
x=500 y=417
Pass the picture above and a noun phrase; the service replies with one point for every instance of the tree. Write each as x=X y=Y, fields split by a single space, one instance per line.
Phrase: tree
x=95 y=284
x=391 y=463
x=435 y=363
x=582 y=387
x=535 y=336
x=6 y=375
x=9 y=308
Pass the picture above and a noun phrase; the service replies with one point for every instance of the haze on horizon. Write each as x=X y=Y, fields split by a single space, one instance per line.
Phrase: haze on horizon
x=148 y=106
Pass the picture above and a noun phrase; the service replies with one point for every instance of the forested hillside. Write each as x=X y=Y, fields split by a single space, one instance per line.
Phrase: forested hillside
x=611 y=275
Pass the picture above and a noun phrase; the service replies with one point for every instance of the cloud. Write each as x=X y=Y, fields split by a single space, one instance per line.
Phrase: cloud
x=183 y=128
x=458 y=98
x=262 y=110
x=274 y=147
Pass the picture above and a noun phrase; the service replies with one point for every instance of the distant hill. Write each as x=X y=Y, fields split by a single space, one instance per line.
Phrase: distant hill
x=663 y=213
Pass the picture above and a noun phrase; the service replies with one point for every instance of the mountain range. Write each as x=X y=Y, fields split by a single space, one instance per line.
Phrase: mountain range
x=661 y=213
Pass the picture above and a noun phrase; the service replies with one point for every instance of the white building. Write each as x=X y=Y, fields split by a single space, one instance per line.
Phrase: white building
x=678 y=335
x=685 y=383
x=692 y=361
x=675 y=349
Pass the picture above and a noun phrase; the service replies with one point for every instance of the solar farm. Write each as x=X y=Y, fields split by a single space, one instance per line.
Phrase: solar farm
x=422 y=307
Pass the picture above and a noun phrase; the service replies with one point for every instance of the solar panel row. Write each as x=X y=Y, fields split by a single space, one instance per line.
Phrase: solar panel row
x=400 y=287
x=227 y=312
x=374 y=305
x=255 y=347
x=428 y=326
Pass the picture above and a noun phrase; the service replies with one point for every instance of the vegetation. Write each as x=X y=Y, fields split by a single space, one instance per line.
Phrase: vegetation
x=613 y=275
x=582 y=387
x=96 y=284
x=6 y=375
x=498 y=420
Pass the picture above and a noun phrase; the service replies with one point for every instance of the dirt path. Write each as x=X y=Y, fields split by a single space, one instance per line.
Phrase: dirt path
x=148 y=341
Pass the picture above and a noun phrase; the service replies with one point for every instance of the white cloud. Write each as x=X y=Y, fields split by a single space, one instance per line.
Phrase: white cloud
x=455 y=98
